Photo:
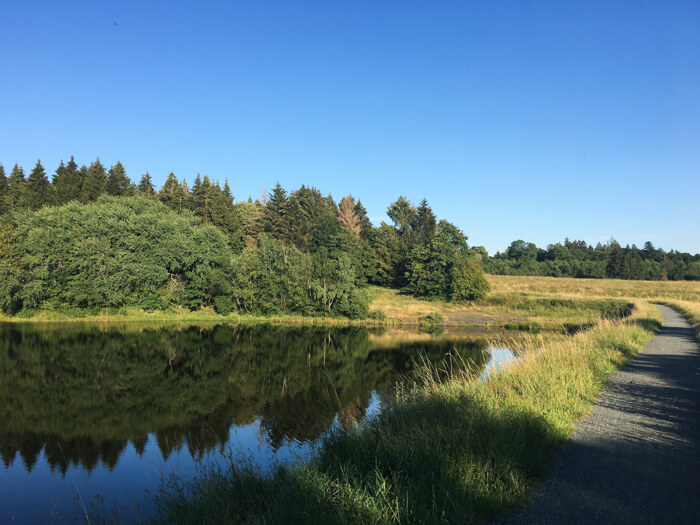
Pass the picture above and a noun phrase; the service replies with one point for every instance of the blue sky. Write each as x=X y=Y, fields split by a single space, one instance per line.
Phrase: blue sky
x=516 y=120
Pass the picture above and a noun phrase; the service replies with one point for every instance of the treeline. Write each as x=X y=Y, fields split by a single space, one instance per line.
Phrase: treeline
x=579 y=259
x=89 y=238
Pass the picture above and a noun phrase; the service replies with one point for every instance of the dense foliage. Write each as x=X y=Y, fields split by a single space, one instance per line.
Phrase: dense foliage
x=578 y=259
x=92 y=238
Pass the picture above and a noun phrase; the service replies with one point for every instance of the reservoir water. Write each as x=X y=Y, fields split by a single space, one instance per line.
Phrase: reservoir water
x=93 y=418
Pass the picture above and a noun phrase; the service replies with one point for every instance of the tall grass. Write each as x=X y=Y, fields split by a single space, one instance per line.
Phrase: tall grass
x=449 y=450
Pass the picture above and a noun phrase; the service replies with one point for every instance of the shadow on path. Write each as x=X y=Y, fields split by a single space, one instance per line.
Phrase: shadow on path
x=636 y=458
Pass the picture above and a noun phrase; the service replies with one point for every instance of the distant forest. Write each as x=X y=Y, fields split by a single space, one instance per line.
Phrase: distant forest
x=610 y=260
x=64 y=243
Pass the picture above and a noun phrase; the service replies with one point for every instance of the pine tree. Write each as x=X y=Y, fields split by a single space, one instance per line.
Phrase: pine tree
x=118 y=183
x=228 y=196
x=37 y=188
x=94 y=183
x=275 y=217
x=168 y=194
x=146 y=187
x=347 y=216
x=196 y=194
x=67 y=183
x=15 y=189
x=3 y=191
x=426 y=222
x=184 y=196
x=365 y=223
x=203 y=198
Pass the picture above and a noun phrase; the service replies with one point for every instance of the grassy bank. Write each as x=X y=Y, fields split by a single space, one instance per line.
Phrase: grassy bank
x=183 y=315
x=548 y=302
x=449 y=451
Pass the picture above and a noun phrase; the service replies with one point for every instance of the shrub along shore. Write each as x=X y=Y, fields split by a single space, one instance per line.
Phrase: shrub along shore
x=452 y=450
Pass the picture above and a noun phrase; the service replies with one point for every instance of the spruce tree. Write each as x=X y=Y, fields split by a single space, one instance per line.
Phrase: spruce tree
x=168 y=194
x=37 y=189
x=146 y=187
x=426 y=222
x=94 y=183
x=15 y=189
x=365 y=223
x=3 y=191
x=275 y=217
x=347 y=216
x=184 y=196
x=67 y=183
x=118 y=183
x=196 y=194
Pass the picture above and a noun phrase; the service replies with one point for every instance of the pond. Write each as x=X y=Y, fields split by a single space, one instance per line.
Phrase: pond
x=93 y=418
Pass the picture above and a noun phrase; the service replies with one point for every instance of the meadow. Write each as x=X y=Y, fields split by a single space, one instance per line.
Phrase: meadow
x=453 y=449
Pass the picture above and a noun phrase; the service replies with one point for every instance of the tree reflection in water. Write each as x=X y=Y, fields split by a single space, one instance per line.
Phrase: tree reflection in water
x=82 y=393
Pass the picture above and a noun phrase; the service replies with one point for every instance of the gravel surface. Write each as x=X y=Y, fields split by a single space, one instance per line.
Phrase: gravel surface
x=636 y=458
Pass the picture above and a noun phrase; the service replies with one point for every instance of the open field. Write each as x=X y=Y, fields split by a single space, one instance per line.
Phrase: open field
x=564 y=287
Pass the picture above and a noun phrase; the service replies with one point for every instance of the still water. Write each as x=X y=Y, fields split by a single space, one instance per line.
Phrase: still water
x=94 y=418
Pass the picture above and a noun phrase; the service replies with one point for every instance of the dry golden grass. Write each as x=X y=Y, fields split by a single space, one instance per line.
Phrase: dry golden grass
x=565 y=287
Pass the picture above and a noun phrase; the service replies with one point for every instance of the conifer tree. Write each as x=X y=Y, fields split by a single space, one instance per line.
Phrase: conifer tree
x=37 y=188
x=3 y=191
x=67 y=182
x=347 y=216
x=275 y=216
x=184 y=196
x=426 y=222
x=195 y=194
x=228 y=196
x=94 y=183
x=118 y=183
x=202 y=198
x=146 y=187
x=15 y=189
x=168 y=194
x=365 y=223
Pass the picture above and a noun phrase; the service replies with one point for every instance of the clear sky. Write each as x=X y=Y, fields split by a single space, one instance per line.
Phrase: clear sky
x=515 y=119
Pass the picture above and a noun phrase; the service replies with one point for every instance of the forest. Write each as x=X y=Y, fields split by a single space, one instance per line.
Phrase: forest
x=610 y=260
x=91 y=238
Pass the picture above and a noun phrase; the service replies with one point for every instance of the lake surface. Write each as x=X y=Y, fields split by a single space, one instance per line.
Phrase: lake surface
x=97 y=416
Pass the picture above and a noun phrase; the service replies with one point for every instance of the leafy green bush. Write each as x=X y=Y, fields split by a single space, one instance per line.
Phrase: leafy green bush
x=223 y=304
x=433 y=318
x=468 y=281
x=112 y=253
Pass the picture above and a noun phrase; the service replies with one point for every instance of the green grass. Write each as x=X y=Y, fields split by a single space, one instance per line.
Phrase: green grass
x=449 y=451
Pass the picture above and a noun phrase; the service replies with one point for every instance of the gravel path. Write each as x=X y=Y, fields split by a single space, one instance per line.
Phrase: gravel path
x=636 y=458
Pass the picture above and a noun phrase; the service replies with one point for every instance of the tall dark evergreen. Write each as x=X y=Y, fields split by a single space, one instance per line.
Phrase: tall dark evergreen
x=365 y=224
x=3 y=191
x=275 y=217
x=94 y=183
x=305 y=208
x=118 y=183
x=203 y=198
x=37 y=189
x=15 y=189
x=168 y=194
x=146 y=188
x=426 y=222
